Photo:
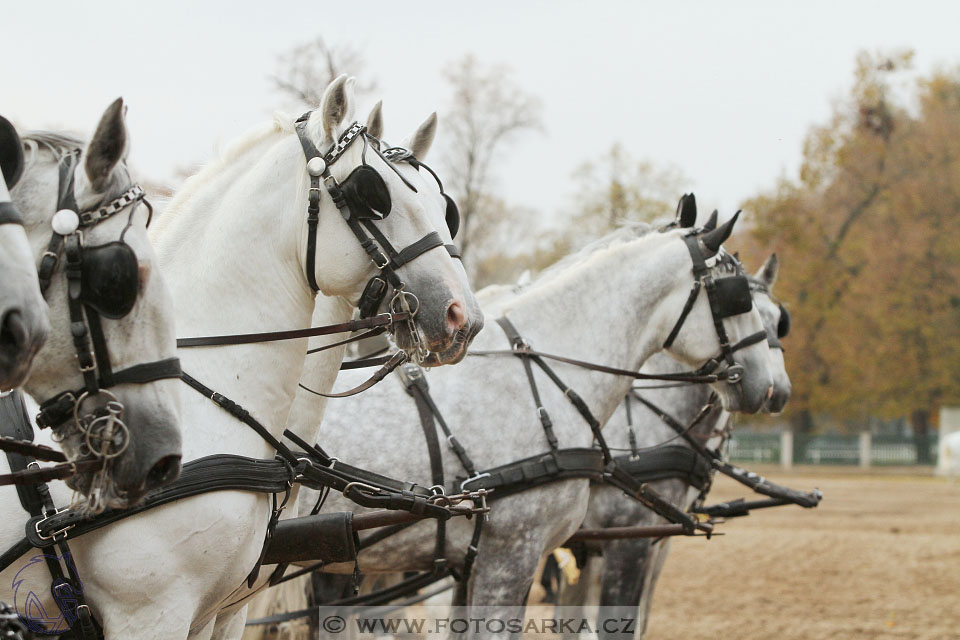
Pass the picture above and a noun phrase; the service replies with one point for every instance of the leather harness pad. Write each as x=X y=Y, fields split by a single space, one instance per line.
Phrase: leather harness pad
x=536 y=470
x=672 y=461
x=110 y=280
x=783 y=326
x=733 y=295
x=452 y=216
x=11 y=153
x=366 y=193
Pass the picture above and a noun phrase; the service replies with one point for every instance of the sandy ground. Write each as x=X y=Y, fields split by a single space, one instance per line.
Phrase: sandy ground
x=879 y=558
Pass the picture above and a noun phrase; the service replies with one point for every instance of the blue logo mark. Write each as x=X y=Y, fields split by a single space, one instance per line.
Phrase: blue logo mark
x=30 y=606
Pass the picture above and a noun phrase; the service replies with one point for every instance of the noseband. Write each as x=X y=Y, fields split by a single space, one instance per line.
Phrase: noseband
x=362 y=199
x=102 y=280
x=728 y=296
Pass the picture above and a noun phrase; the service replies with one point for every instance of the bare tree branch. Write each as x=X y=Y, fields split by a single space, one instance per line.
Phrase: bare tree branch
x=304 y=72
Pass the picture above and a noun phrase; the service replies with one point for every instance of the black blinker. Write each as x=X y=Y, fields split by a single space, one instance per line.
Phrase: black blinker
x=734 y=296
x=783 y=326
x=11 y=153
x=367 y=193
x=110 y=281
x=453 y=216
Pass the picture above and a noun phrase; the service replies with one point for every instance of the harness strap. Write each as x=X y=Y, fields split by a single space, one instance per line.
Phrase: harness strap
x=395 y=361
x=41 y=475
x=36 y=500
x=59 y=408
x=749 y=479
x=9 y=214
x=28 y=448
x=687 y=307
x=240 y=414
x=418 y=388
x=313 y=204
x=426 y=243
x=384 y=320
x=672 y=461
x=520 y=348
x=692 y=377
x=416 y=385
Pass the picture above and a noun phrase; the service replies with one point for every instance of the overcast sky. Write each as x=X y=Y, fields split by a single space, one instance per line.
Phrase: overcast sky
x=724 y=91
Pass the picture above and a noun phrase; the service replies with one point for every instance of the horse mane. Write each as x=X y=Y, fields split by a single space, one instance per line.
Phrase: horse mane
x=57 y=143
x=623 y=234
x=281 y=123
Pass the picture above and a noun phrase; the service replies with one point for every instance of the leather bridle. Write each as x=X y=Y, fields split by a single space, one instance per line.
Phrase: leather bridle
x=349 y=201
x=783 y=325
x=704 y=280
x=93 y=356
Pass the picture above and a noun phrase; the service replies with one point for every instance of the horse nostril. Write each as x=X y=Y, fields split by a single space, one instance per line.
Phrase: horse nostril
x=456 y=317
x=13 y=333
x=769 y=392
x=163 y=473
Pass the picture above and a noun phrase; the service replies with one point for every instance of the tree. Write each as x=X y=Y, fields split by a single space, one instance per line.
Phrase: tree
x=868 y=234
x=616 y=188
x=304 y=72
x=488 y=111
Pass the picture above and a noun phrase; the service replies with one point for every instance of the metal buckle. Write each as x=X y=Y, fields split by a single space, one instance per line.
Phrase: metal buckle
x=53 y=535
x=92 y=367
x=386 y=261
x=362 y=486
x=734 y=373
x=471 y=479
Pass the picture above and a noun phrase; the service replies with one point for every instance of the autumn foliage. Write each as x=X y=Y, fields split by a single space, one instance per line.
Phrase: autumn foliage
x=869 y=242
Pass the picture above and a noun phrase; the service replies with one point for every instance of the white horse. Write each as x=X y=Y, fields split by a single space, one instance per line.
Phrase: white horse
x=629 y=568
x=23 y=313
x=614 y=303
x=234 y=244
x=144 y=335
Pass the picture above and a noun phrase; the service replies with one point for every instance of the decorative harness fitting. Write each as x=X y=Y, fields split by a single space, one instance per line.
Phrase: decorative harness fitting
x=362 y=198
x=728 y=296
x=102 y=280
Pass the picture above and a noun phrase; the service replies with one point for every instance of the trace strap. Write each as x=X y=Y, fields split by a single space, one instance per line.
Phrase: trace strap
x=749 y=479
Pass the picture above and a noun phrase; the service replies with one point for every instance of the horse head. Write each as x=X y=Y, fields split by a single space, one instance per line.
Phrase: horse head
x=106 y=376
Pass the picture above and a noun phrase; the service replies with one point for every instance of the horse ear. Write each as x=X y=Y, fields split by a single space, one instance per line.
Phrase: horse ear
x=107 y=147
x=11 y=153
x=713 y=239
x=336 y=106
x=421 y=140
x=711 y=221
x=768 y=272
x=375 y=120
x=687 y=211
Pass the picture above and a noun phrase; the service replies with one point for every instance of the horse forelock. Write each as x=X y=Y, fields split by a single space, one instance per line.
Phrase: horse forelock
x=56 y=143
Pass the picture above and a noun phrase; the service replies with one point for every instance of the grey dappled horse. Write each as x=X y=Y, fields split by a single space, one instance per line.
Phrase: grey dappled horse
x=615 y=303
x=628 y=568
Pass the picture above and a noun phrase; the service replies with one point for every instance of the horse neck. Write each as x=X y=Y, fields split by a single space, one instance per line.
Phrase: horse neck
x=604 y=309
x=682 y=403
x=229 y=247
x=320 y=370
